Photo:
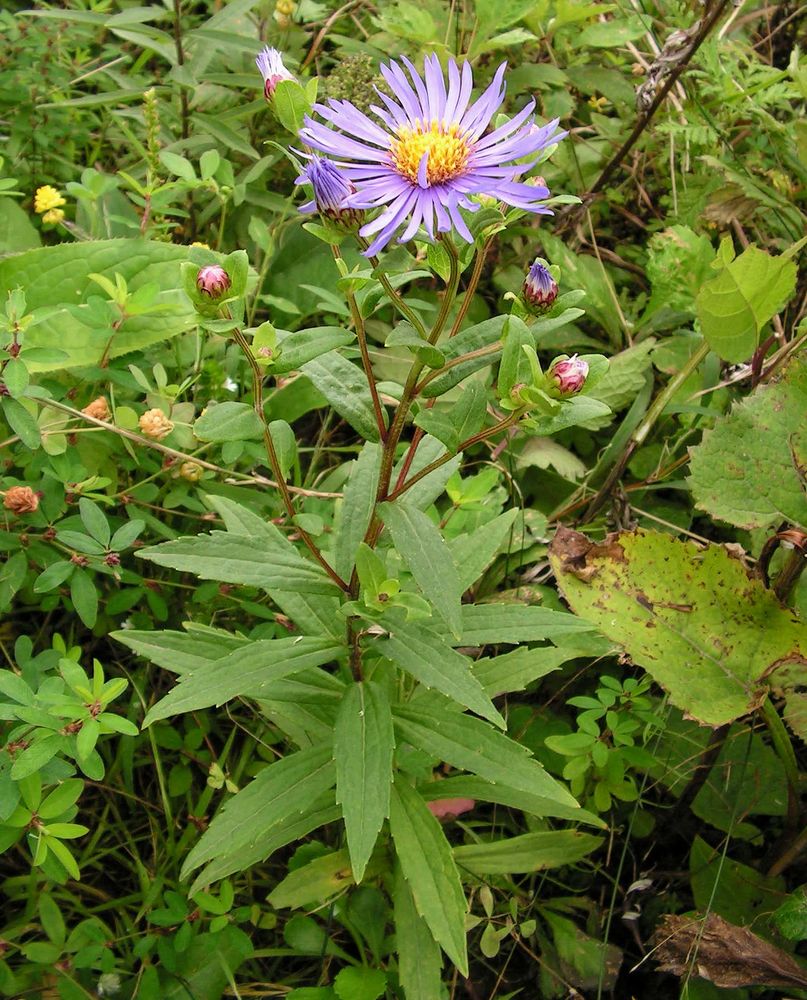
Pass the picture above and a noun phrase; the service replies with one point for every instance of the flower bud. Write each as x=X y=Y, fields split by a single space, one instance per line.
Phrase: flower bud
x=98 y=408
x=191 y=471
x=270 y=62
x=213 y=281
x=21 y=499
x=568 y=375
x=155 y=425
x=540 y=289
x=53 y=216
x=332 y=191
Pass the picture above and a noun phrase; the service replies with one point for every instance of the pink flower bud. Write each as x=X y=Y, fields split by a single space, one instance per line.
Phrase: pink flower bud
x=540 y=289
x=270 y=63
x=450 y=808
x=213 y=281
x=568 y=374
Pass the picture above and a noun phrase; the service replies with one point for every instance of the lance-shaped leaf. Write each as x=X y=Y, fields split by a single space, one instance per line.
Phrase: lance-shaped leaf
x=693 y=617
x=279 y=794
x=429 y=659
x=236 y=559
x=512 y=623
x=473 y=745
x=531 y=852
x=419 y=960
x=364 y=742
x=248 y=671
x=430 y=872
x=357 y=507
x=344 y=385
x=420 y=544
x=181 y=651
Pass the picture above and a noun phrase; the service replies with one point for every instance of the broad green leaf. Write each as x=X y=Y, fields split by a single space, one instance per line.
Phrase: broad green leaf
x=248 y=671
x=17 y=232
x=420 y=544
x=419 y=959
x=693 y=617
x=749 y=469
x=59 y=276
x=228 y=421
x=473 y=745
x=531 y=852
x=363 y=745
x=429 y=870
x=425 y=656
x=94 y=521
x=312 y=884
x=280 y=792
x=359 y=982
x=733 y=307
x=345 y=387
x=20 y=421
x=290 y=104
x=181 y=652
x=302 y=346
x=236 y=559
x=178 y=165
x=356 y=507
x=473 y=553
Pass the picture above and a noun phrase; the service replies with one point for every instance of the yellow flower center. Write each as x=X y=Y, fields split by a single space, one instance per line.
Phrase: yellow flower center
x=447 y=148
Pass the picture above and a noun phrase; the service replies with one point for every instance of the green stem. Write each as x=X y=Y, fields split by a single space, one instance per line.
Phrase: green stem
x=274 y=462
x=476 y=274
x=450 y=292
x=361 y=336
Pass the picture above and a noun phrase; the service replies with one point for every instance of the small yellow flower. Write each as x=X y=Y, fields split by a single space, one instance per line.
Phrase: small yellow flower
x=598 y=103
x=196 y=243
x=53 y=216
x=155 y=425
x=46 y=198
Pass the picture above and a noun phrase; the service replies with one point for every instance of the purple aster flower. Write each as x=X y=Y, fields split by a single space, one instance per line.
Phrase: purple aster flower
x=431 y=153
x=332 y=188
x=540 y=289
x=270 y=62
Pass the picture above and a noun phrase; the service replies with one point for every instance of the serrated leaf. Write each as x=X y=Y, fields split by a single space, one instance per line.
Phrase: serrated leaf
x=425 y=656
x=248 y=671
x=750 y=468
x=181 y=651
x=693 y=617
x=473 y=745
x=345 y=387
x=357 y=507
x=363 y=747
x=420 y=544
x=430 y=872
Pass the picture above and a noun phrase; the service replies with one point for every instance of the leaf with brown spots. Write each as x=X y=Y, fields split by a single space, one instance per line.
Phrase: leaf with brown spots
x=691 y=616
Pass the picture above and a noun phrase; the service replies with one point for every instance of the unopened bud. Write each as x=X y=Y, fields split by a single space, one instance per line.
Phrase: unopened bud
x=98 y=408
x=540 y=289
x=270 y=62
x=112 y=559
x=213 y=281
x=332 y=191
x=568 y=375
x=154 y=424
x=21 y=500
x=191 y=471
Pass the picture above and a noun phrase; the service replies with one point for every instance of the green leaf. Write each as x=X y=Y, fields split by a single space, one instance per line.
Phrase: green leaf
x=431 y=486
x=313 y=883
x=345 y=387
x=422 y=547
x=248 y=671
x=235 y=559
x=473 y=745
x=53 y=576
x=363 y=747
x=59 y=276
x=52 y=919
x=692 y=616
x=473 y=339
x=733 y=307
x=473 y=553
x=290 y=104
x=84 y=597
x=358 y=982
x=484 y=624
x=302 y=346
x=419 y=960
x=426 y=657
x=749 y=470
x=277 y=795
x=430 y=872
x=356 y=507
x=468 y=786
x=21 y=421
x=228 y=421
x=178 y=165
x=94 y=521
x=531 y=852
x=181 y=651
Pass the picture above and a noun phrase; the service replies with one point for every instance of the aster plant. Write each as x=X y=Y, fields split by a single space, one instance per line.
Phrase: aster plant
x=421 y=185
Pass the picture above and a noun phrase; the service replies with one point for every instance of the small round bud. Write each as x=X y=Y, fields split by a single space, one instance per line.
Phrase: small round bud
x=112 y=559
x=98 y=408
x=77 y=559
x=540 y=289
x=568 y=375
x=21 y=500
x=213 y=281
x=155 y=425
x=53 y=216
x=191 y=471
